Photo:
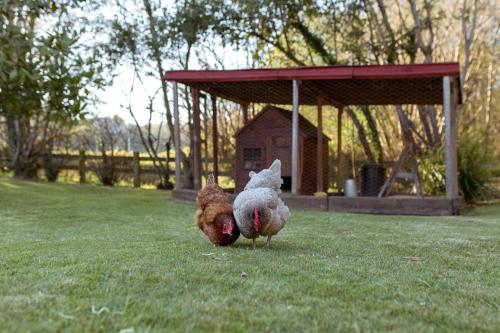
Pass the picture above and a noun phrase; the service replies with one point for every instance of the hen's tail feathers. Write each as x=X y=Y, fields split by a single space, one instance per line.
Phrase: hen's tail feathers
x=276 y=167
x=210 y=179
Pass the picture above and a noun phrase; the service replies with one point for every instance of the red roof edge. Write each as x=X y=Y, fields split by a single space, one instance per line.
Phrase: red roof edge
x=317 y=73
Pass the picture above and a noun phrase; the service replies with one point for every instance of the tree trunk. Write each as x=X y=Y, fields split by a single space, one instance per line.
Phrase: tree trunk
x=489 y=105
x=374 y=133
x=361 y=135
x=158 y=59
x=23 y=161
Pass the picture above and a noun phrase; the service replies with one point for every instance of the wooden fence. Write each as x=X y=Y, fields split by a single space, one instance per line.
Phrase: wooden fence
x=133 y=166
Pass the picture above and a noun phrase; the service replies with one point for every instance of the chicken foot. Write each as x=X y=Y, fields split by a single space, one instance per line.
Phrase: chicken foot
x=268 y=243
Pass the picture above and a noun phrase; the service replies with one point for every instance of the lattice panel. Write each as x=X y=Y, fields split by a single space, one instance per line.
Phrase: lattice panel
x=344 y=92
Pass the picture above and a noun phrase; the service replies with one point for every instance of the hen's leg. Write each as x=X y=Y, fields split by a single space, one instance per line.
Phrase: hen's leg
x=268 y=243
x=253 y=243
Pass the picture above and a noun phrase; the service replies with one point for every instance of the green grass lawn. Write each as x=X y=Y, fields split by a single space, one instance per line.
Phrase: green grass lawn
x=86 y=258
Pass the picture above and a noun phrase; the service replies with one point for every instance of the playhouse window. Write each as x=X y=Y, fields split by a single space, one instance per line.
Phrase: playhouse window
x=251 y=158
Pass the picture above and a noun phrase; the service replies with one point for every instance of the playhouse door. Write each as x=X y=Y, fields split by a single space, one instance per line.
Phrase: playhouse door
x=280 y=147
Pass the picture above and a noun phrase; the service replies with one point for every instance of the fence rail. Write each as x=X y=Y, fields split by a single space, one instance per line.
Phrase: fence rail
x=134 y=165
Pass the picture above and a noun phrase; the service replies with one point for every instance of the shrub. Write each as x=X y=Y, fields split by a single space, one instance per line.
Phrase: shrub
x=431 y=171
x=106 y=168
x=473 y=173
x=51 y=168
x=106 y=171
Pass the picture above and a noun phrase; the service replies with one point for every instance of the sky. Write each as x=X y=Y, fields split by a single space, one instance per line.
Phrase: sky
x=115 y=98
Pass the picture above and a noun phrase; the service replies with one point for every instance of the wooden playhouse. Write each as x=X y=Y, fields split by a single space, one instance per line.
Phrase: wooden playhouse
x=268 y=137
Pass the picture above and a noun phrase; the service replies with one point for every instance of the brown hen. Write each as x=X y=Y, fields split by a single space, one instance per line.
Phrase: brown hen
x=215 y=215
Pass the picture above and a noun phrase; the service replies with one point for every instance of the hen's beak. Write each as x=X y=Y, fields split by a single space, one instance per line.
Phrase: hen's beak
x=227 y=229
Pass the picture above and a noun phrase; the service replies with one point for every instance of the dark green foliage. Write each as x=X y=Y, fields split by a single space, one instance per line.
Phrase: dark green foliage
x=409 y=45
x=431 y=171
x=50 y=169
x=473 y=173
x=316 y=43
x=106 y=171
x=354 y=32
x=45 y=76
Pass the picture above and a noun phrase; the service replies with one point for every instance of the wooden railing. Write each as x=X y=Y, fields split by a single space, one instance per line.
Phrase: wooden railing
x=134 y=166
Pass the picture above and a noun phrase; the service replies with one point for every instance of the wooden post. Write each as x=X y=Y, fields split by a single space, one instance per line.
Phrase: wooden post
x=137 y=169
x=319 y=148
x=167 y=157
x=81 y=166
x=340 y=171
x=245 y=113
x=205 y=132
x=295 y=137
x=450 y=125
x=177 y=139
x=215 y=139
x=196 y=139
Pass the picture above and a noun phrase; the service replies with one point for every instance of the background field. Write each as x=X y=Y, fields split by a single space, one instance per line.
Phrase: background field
x=87 y=258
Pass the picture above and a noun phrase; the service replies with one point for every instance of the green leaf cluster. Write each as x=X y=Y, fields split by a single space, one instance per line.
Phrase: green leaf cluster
x=43 y=66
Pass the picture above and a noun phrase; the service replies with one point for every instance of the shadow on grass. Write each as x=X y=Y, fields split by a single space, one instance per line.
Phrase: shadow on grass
x=276 y=246
x=484 y=208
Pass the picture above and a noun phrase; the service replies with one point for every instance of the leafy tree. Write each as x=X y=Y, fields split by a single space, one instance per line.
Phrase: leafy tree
x=306 y=33
x=145 y=35
x=45 y=76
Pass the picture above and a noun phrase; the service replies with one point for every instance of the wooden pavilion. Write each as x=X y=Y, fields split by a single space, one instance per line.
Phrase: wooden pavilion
x=339 y=86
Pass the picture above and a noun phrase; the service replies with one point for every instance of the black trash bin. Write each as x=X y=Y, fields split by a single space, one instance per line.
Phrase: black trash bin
x=372 y=179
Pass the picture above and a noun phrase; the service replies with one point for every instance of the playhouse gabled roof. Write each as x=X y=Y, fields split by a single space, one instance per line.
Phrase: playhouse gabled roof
x=306 y=128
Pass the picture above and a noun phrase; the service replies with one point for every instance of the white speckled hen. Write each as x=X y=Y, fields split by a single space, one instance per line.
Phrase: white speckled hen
x=258 y=210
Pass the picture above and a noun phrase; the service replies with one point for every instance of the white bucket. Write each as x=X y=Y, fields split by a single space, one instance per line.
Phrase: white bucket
x=350 y=188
